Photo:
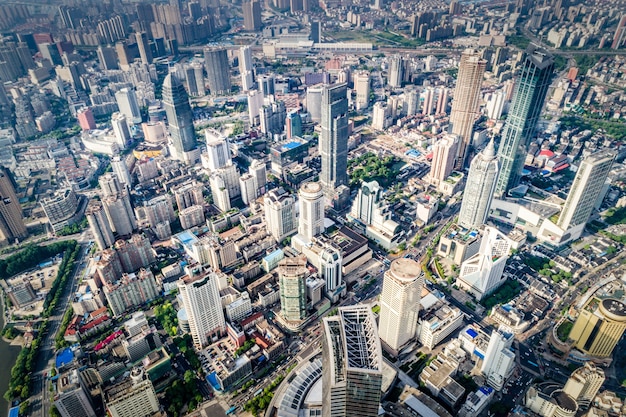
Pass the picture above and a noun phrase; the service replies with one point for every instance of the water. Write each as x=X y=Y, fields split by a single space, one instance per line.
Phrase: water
x=8 y=354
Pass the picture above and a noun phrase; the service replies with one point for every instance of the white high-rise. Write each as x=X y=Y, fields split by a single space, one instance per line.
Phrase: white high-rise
x=380 y=116
x=311 y=199
x=280 y=214
x=200 y=294
x=482 y=273
x=584 y=383
x=119 y=122
x=479 y=188
x=330 y=265
x=444 y=155
x=245 y=68
x=400 y=303
x=367 y=199
x=499 y=361
x=118 y=164
x=218 y=153
x=219 y=191
x=127 y=103
x=248 y=187
x=362 y=87
x=259 y=172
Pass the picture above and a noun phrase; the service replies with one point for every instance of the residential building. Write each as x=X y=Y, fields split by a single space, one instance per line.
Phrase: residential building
x=218 y=70
x=130 y=290
x=362 y=88
x=252 y=16
x=12 y=227
x=127 y=103
x=444 y=156
x=99 y=224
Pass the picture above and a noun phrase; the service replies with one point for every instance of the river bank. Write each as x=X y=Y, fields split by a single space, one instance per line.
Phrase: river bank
x=8 y=353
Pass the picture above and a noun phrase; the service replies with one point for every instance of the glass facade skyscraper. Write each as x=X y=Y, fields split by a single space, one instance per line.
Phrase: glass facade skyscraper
x=530 y=93
x=334 y=137
x=179 y=116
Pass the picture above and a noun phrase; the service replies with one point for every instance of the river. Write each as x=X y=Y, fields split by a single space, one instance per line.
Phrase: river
x=8 y=354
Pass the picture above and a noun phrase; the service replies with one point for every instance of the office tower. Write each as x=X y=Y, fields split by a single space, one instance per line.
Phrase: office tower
x=252 y=16
x=127 y=103
x=280 y=214
x=444 y=154
x=293 y=124
x=330 y=267
x=258 y=171
x=194 y=75
x=353 y=371
x=218 y=153
x=188 y=194
x=482 y=273
x=465 y=106
x=119 y=123
x=584 y=383
x=499 y=360
x=400 y=303
x=395 y=74
x=130 y=395
x=12 y=226
x=255 y=102
x=479 y=188
x=85 y=118
x=107 y=57
x=200 y=294
x=71 y=399
x=122 y=55
x=530 y=93
x=120 y=169
x=599 y=326
x=247 y=183
x=246 y=68
x=120 y=213
x=311 y=199
x=99 y=224
x=380 y=116
x=368 y=197
x=620 y=33
x=333 y=142
x=267 y=84
x=314 y=102
x=586 y=188
x=219 y=191
x=145 y=53
x=217 y=70
x=292 y=275
x=316 y=32
x=179 y=119
x=362 y=87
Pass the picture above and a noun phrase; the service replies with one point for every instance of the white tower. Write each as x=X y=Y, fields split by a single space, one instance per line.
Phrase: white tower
x=499 y=359
x=311 y=199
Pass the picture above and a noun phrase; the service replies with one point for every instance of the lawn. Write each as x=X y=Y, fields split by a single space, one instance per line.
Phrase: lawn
x=564 y=330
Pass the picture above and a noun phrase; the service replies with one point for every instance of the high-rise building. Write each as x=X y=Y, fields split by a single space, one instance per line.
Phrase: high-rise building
x=107 y=57
x=353 y=371
x=444 y=156
x=334 y=138
x=499 y=361
x=482 y=273
x=330 y=267
x=369 y=196
x=86 y=119
x=293 y=124
x=60 y=208
x=530 y=93
x=188 y=194
x=218 y=70
x=280 y=213
x=71 y=399
x=316 y=31
x=109 y=184
x=311 y=199
x=362 y=87
x=12 y=225
x=252 y=16
x=218 y=153
x=194 y=74
x=400 y=303
x=179 y=119
x=145 y=53
x=314 y=102
x=133 y=393
x=120 y=213
x=585 y=189
x=584 y=383
x=246 y=68
x=247 y=183
x=219 y=191
x=599 y=326
x=120 y=169
x=395 y=72
x=200 y=294
x=620 y=33
x=292 y=275
x=99 y=224
x=119 y=123
x=122 y=55
x=127 y=103
x=465 y=105
x=479 y=188
x=258 y=170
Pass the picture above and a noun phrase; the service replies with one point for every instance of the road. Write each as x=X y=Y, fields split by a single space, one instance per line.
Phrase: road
x=41 y=397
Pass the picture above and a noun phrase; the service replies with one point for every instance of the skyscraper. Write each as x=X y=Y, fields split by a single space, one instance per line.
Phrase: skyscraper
x=334 y=138
x=400 y=303
x=200 y=294
x=246 y=68
x=362 y=87
x=194 y=74
x=395 y=72
x=311 y=199
x=258 y=170
x=530 y=93
x=316 y=32
x=11 y=219
x=179 y=118
x=217 y=70
x=499 y=360
x=99 y=224
x=145 y=53
x=352 y=356
x=127 y=103
x=479 y=188
x=330 y=267
x=280 y=213
x=218 y=153
x=293 y=124
x=586 y=188
x=120 y=169
x=292 y=275
x=444 y=154
x=252 y=16
x=71 y=399
x=620 y=33
x=599 y=326
x=466 y=101
x=120 y=213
